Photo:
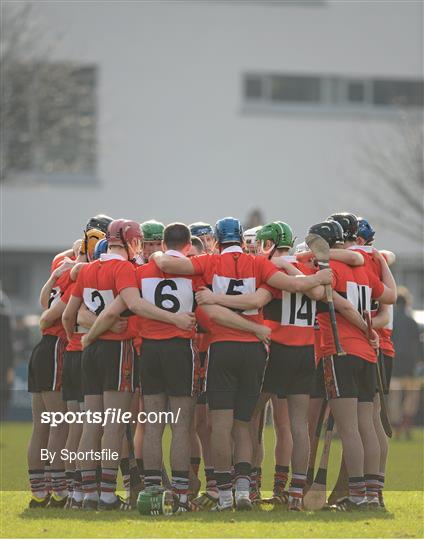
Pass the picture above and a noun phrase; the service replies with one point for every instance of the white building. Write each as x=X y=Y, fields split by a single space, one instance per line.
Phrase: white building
x=206 y=109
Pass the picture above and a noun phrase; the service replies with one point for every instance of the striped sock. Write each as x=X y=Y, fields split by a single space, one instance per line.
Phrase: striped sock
x=242 y=471
x=254 y=479
x=124 y=465
x=372 y=487
x=88 y=482
x=380 y=482
x=152 y=477
x=357 y=489
x=281 y=476
x=59 y=482
x=108 y=485
x=225 y=484
x=48 y=477
x=210 y=479
x=77 y=494
x=297 y=484
x=180 y=484
x=195 y=464
x=140 y=466
x=259 y=478
x=70 y=476
x=37 y=483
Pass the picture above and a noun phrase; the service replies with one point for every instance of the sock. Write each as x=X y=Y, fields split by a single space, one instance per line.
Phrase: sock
x=380 y=482
x=37 y=483
x=297 y=484
x=70 y=475
x=108 y=485
x=281 y=475
x=242 y=473
x=254 y=479
x=152 y=477
x=77 y=492
x=48 y=477
x=195 y=464
x=371 y=487
x=210 y=479
x=224 y=484
x=59 y=482
x=259 y=479
x=357 y=489
x=140 y=466
x=124 y=465
x=180 y=484
x=99 y=476
x=89 y=484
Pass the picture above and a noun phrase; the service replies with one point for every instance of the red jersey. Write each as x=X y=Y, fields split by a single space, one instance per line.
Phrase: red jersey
x=62 y=284
x=291 y=316
x=170 y=292
x=99 y=283
x=234 y=272
x=74 y=344
x=203 y=335
x=355 y=285
x=385 y=334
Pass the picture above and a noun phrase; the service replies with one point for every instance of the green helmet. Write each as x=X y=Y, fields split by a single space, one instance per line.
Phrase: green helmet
x=156 y=500
x=152 y=230
x=278 y=232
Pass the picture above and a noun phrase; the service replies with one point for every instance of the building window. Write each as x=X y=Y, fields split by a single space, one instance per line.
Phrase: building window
x=50 y=117
x=337 y=93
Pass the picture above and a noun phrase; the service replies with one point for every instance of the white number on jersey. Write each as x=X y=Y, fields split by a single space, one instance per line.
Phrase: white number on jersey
x=174 y=295
x=359 y=296
x=297 y=310
x=233 y=286
x=96 y=301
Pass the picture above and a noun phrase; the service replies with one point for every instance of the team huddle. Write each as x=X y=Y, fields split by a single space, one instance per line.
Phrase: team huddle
x=211 y=324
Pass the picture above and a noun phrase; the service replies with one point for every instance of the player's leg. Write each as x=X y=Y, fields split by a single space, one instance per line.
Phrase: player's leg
x=195 y=458
x=283 y=448
x=384 y=447
x=36 y=466
x=258 y=450
x=372 y=454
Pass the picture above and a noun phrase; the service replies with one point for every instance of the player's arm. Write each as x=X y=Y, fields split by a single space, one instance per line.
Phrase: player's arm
x=382 y=318
x=49 y=316
x=226 y=317
x=141 y=307
x=173 y=265
x=302 y=283
x=283 y=264
x=389 y=294
x=389 y=256
x=69 y=316
x=85 y=317
x=242 y=302
x=347 y=256
x=104 y=321
x=76 y=269
x=50 y=283
x=347 y=310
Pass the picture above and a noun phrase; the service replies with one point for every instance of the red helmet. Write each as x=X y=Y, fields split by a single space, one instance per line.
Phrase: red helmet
x=122 y=232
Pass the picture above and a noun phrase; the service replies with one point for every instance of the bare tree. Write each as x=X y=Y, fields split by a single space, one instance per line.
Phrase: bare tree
x=47 y=108
x=395 y=175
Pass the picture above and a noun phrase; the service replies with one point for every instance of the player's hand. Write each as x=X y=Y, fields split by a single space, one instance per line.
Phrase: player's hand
x=119 y=326
x=205 y=296
x=264 y=334
x=76 y=247
x=304 y=256
x=66 y=265
x=85 y=342
x=374 y=340
x=185 y=321
x=325 y=276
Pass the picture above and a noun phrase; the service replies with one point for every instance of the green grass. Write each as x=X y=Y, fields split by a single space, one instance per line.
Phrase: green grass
x=404 y=519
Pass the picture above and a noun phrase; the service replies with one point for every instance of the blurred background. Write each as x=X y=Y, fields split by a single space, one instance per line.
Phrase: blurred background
x=191 y=111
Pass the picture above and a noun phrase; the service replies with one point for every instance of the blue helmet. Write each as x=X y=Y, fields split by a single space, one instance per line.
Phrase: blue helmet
x=227 y=230
x=101 y=247
x=200 y=229
x=365 y=230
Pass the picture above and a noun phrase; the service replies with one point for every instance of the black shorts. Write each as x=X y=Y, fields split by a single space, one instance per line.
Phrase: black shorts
x=167 y=367
x=290 y=370
x=202 y=399
x=71 y=377
x=234 y=377
x=388 y=368
x=46 y=365
x=345 y=377
x=108 y=365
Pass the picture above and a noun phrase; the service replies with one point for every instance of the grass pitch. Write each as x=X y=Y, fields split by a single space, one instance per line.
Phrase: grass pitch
x=403 y=520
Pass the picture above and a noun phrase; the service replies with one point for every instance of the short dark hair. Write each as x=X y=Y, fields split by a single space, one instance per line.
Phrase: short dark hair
x=176 y=235
x=198 y=244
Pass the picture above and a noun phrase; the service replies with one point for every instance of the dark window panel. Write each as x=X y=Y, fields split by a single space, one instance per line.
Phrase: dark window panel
x=295 y=89
x=253 y=87
x=396 y=92
x=356 y=92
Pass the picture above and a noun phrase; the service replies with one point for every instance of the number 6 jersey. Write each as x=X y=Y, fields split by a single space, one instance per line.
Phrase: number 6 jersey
x=98 y=284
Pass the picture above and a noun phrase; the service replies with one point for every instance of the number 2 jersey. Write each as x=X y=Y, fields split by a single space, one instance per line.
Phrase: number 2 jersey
x=100 y=282
x=233 y=272
x=170 y=292
x=358 y=287
x=60 y=287
x=291 y=316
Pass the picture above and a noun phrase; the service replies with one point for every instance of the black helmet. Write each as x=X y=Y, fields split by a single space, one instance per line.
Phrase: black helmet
x=331 y=231
x=100 y=222
x=349 y=223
